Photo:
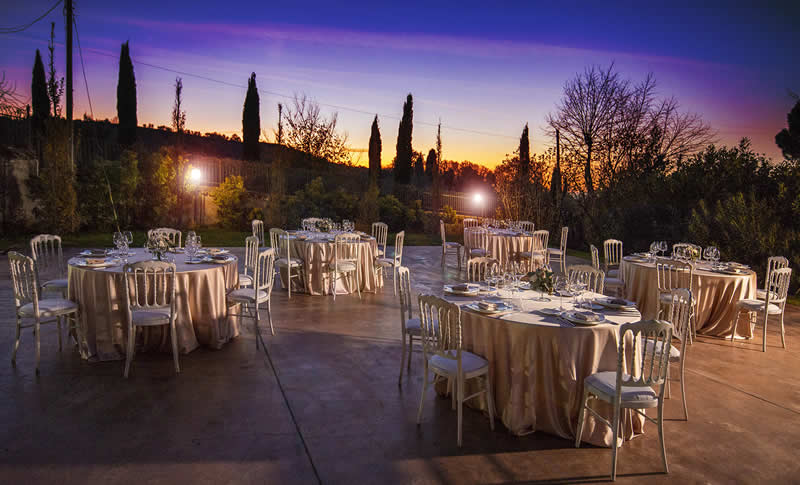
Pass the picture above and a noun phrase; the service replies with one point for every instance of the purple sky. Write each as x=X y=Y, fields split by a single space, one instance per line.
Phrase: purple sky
x=484 y=71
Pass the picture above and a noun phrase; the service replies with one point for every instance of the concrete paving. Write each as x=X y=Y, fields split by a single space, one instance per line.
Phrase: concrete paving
x=345 y=420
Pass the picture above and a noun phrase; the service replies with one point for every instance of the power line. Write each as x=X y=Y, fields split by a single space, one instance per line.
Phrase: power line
x=20 y=28
x=83 y=67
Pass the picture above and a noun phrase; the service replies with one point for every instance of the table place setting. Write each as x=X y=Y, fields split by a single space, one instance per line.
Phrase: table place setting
x=463 y=289
x=491 y=307
x=94 y=262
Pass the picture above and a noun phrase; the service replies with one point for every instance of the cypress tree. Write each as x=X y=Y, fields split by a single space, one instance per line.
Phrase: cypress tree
x=525 y=153
x=40 y=100
x=126 y=98
x=555 y=180
x=430 y=164
x=436 y=170
x=375 y=147
x=402 y=164
x=251 y=121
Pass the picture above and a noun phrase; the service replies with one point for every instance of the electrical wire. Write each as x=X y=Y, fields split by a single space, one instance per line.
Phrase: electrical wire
x=20 y=28
x=83 y=67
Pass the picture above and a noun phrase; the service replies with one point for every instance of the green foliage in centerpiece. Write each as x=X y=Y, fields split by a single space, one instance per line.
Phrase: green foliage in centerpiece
x=325 y=225
x=541 y=280
x=158 y=244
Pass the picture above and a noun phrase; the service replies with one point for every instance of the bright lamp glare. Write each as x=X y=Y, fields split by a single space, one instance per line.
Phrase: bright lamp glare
x=196 y=175
x=477 y=198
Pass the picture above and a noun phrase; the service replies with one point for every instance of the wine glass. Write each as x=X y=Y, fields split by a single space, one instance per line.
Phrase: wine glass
x=119 y=241
x=560 y=283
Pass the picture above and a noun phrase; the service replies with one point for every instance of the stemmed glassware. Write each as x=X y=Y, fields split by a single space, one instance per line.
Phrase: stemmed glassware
x=192 y=245
x=119 y=242
x=560 y=284
x=711 y=254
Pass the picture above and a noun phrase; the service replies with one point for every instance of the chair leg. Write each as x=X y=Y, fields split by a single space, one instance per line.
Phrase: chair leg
x=661 y=435
x=333 y=285
x=269 y=316
x=581 y=417
x=460 y=385
x=129 y=354
x=735 y=325
x=394 y=279
x=422 y=394
x=410 y=350
x=764 y=340
x=490 y=400
x=174 y=335
x=289 y=283
x=58 y=325
x=256 y=318
x=402 y=359
x=683 y=393
x=783 y=332
x=669 y=392
x=615 y=423
x=16 y=344
x=37 y=332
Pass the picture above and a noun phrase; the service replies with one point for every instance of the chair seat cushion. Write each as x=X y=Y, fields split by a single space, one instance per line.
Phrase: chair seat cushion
x=151 y=316
x=452 y=244
x=413 y=326
x=345 y=266
x=247 y=295
x=289 y=262
x=478 y=252
x=758 y=306
x=245 y=280
x=385 y=262
x=554 y=251
x=469 y=362
x=762 y=295
x=55 y=284
x=605 y=383
x=614 y=282
x=537 y=255
x=380 y=252
x=674 y=352
x=50 y=307
x=613 y=273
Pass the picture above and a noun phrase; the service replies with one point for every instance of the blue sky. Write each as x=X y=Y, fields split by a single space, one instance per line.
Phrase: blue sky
x=483 y=68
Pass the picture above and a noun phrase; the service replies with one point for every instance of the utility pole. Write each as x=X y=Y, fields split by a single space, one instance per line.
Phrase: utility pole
x=69 y=25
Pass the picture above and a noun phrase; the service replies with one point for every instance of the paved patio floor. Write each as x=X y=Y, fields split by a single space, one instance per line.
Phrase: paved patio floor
x=345 y=420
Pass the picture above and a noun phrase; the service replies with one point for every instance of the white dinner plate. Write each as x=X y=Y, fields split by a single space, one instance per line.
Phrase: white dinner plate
x=606 y=302
x=473 y=290
x=501 y=308
x=550 y=312
x=568 y=316
x=220 y=261
x=195 y=261
x=106 y=264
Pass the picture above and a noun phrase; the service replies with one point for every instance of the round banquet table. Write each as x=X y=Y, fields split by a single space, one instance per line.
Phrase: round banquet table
x=200 y=306
x=504 y=243
x=317 y=251
x=538 y=364
x=716 y=295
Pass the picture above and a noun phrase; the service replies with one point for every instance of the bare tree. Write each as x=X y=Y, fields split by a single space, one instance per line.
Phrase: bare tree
x=55 y=86
x=178 y=114
x=12 y=103
x=309 y=131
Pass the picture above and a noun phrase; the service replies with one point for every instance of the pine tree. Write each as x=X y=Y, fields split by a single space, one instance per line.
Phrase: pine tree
x=251 y=121
x=40 y=100
x=402 y=163
x=436 y=168
x=375 y=147
x=126 y=98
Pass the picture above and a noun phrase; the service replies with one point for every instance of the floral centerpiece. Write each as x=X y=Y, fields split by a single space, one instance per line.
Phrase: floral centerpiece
x=157 y=244
x=693 y=253
x=324 y=225
x=541 y=280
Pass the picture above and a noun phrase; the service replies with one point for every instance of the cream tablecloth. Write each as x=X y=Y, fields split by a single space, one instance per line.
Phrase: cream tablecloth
x=317 y=253
x=503 y=244
x=716 y=295
x=538 y=364
x=201 y=310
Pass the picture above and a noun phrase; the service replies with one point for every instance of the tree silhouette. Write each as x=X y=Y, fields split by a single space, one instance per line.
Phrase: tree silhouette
x=524 y=153
x=178 y=113
x=55 y=86
x=555 y=179
x=126 y=98
x=40 y=100
x=251 y=121
x=402 y=163
x=788 y=140
x=375 y=147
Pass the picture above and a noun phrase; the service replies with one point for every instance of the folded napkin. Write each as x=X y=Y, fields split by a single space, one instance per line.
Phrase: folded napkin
x=586 y=316
x=214 y=250
x=95 y=260
x=488 y=305
x=463 y=287
x=94 y=252
x=219 y=257
x=619 y=301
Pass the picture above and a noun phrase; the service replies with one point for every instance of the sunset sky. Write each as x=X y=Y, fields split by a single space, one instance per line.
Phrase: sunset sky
x=483 y=68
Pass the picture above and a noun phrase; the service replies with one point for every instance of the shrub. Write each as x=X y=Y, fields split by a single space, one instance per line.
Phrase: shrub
x=54 y=188
x=230 y=197
x=392 y=212
x=448 y=215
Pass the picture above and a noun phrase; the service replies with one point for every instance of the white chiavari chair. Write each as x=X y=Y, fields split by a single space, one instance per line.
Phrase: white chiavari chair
x=393 y=262
x=380 y=231
x=537 y=256
x=51 y=271
x=594 y=279
x=595 y=256
x=679 y=313
x=346 y=260
x=612 y=258
x=31 y=311
x=470 y=222
x=774 y=303
x=260 y=293
x=478 y=268
x=150 y=290
x=679 y=248
x=773 y=263
x=281 y=242
x=526 y=226
x=632 y=391
x=251 y=244
x=559 y=254
x=309 y=223
x=476 y=242
x=440 y=323
x=258 y=231
x=409 y=326
x=670 y=275
x=172 y=235
x=449 y=245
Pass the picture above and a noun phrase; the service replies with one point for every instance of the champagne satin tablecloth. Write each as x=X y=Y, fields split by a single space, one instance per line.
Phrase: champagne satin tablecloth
x=538 y=364
x=317 y=253
x=503 y=244
x=716 y=296
x=201 y=309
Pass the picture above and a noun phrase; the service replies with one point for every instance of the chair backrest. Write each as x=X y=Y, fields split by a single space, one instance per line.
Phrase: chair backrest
x=593 y=278
x=476 y=238
x=651 y=369
x=679 y=314
x=46 y=252
x=563 y=243
x=172 y=235
x=406 y=307
x=24 y=279
x=280 y=241
x=310 y=223
x=149 y=284
x=778 y=286
x=540 y=240
x=526 y=226
x=347 y=248
x=443 y=233
x=470 y=222
x=251 y=244
x=684 y=245
x=478 y=268
x=773 y=262
x=595 y=256
x=258 y=230
x=673 y=274
x=440 y=324
x=398 y=248
x=380 y=232
x=612 y=253
x=264 y=273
